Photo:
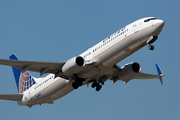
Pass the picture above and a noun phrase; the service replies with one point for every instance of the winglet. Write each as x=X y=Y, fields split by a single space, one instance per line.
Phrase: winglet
x=160 y=73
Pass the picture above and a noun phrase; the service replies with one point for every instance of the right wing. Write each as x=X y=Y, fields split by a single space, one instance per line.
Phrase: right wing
x=13 y=97
x=42 y=67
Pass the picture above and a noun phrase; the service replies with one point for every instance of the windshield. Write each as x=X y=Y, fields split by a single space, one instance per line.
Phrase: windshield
x=147 y=20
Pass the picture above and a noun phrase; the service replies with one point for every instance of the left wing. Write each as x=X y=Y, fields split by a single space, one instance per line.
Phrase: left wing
x=150 y=76
x=126 y=74
x=13 y=97
x=42 y=67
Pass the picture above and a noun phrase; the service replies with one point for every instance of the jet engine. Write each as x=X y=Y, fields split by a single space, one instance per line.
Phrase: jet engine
x=129 y=71
x=73 y=65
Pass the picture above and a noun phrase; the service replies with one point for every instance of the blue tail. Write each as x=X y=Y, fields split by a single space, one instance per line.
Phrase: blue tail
x=23 y=80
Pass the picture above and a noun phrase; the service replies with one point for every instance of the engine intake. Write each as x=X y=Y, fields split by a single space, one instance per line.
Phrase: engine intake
x=73 y=65
x=136 y=67
x=80 y=61
x=129 y=71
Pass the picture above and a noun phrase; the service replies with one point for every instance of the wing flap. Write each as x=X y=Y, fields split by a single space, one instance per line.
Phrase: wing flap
x=12 y=97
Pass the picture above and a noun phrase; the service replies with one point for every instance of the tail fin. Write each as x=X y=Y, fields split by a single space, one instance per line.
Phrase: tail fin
x=23 y=80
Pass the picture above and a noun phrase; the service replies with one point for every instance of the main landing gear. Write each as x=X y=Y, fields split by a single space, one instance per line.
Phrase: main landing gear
x=78 y=82
x=97 y=85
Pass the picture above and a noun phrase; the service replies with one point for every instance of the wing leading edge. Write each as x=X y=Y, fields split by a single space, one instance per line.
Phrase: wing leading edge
x=42 y=67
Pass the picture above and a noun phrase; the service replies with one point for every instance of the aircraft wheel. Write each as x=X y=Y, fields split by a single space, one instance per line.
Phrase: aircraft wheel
x=75 y=85
x=94 y=84
x=151 y=47
x=80 y=83
x=98 y=87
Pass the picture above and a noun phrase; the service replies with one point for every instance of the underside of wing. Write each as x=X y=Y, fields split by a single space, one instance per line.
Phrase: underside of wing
x=133 y=71
x=12 y=97
x=149 y=76
x=146 y=76
x=42 y=67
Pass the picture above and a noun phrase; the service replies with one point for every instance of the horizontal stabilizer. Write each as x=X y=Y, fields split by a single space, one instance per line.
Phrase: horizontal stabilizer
x=12 y=97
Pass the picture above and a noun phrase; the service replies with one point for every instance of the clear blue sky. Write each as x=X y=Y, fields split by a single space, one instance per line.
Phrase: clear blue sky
x=56 y=30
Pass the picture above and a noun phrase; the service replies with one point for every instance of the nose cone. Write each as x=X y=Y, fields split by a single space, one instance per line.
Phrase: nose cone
x=159 y=26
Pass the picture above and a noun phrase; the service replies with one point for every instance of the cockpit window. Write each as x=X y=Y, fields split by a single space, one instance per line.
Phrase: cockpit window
x=147 y=20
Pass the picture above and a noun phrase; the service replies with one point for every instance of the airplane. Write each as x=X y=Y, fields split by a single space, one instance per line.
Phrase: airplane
x=94 y=66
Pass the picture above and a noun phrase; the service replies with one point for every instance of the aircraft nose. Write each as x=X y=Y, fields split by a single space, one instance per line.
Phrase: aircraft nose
x=159 y=26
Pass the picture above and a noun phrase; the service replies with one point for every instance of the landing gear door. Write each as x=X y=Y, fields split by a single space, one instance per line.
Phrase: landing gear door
x=135 y=27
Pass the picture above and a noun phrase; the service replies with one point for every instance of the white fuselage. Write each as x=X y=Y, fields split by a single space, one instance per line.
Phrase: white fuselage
x=105 y=54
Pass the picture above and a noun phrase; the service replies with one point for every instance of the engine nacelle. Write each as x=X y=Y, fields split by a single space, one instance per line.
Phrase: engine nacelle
x=73 y=65
x=129 y=71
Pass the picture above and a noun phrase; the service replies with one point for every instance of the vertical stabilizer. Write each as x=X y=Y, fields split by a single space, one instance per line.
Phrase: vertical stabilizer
x=23 y=80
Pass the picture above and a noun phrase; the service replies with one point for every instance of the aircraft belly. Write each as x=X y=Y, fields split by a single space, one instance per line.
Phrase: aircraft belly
x=43 y=95
x=89 y=73
x=67 y=89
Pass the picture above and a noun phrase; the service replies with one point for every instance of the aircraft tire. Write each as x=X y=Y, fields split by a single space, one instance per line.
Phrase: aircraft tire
x=94 y=84
x=79 y=83
x=98 y=87
x=75 y=85
x=151 y=47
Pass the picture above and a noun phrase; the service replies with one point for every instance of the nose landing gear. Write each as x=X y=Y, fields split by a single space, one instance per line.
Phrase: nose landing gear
x=151 y=40
x=151 y=47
